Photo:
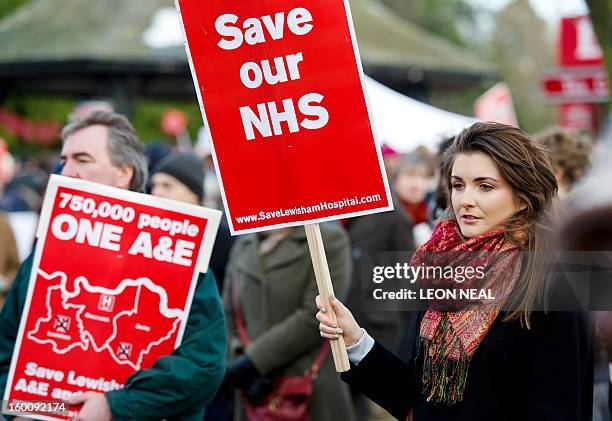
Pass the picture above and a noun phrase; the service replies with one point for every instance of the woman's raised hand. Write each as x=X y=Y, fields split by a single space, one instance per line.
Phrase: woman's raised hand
x=347 y=326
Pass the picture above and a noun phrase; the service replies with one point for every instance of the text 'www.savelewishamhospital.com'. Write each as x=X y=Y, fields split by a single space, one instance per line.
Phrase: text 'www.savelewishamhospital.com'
x=305 y=210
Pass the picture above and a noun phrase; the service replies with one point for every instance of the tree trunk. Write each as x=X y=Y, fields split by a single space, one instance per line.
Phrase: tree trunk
x=601 y=18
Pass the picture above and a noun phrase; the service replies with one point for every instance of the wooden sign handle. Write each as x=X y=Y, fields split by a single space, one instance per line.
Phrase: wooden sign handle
x=321 y=269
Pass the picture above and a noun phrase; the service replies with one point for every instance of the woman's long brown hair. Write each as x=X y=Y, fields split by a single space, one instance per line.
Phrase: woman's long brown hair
x=526 y=167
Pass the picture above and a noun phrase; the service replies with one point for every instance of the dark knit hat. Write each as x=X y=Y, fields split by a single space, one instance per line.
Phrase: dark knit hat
x=185 y=168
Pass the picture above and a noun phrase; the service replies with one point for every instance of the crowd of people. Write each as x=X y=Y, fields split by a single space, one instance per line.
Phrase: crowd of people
x=254 y=322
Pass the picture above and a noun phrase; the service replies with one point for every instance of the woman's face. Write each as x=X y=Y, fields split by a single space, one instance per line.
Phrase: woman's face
x=481 y=198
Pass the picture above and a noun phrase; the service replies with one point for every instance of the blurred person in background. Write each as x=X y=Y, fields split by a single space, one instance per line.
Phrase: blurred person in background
x=24 y=193
x=438 y=202
x=22 y=183
x=587 y=229
x=377 y=240
x=412 y=185
x=178 y=177
x=391 y=159
x=602 y=394
x=437 y=206
x=212 y=188
x=570 y=156
x=9 y=257
x=268 y=292
x=7 y=165
x=88 y=106
x=181 y=177
x=155 y=152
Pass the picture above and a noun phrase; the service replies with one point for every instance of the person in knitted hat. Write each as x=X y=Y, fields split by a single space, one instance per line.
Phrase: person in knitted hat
x=179 y=177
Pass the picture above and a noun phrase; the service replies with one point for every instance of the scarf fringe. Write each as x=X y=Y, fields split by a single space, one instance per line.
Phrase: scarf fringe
x=444 y=379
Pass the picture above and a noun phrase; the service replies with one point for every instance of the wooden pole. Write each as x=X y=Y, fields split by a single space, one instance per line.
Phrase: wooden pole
x=321 y=269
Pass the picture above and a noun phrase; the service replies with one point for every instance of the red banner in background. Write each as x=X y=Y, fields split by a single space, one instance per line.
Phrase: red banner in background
x=580 y=81
x=583 y=85
x=44 y=132
x=577 y=116
x=578 y=44
x=496 y=105
x=281 y=86
x=117 y=303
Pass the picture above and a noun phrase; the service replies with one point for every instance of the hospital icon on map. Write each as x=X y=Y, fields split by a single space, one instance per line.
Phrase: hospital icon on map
x=124 y=351
x=106 y=303
x=61 y=323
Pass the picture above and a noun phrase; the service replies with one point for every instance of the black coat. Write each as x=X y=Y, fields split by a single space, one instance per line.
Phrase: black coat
x=382 y=239
x=545 y=373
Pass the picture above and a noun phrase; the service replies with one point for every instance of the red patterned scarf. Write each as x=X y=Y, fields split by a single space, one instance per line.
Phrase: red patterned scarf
x=450 y=338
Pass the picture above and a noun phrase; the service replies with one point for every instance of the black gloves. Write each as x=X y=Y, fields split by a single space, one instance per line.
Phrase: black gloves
x=242 y=374
x=258 y=390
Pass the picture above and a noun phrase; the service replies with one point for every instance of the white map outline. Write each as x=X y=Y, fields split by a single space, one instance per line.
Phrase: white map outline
x=85 y=336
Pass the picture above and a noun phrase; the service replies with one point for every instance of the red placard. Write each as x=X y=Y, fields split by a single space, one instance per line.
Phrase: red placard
x=281 y=88
x=582 y=85
x=174 y=122
x=113 y=278
x=496 y=105
x=577 y=117
x=578 y=43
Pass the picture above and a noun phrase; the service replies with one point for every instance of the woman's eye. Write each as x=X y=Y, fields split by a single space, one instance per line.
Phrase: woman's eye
x=486 y=187
x=457 y=186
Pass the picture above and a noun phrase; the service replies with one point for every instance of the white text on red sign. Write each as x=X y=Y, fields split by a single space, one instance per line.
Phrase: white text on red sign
x=268 y=117
x=67 y=227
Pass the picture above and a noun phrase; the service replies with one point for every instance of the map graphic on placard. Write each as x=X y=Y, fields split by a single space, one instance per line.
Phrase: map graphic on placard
x=107 y=320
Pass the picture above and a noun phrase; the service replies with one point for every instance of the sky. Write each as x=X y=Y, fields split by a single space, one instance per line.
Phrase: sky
x=550 y=10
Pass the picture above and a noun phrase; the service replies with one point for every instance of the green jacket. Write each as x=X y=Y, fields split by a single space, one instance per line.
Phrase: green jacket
x=177 y=386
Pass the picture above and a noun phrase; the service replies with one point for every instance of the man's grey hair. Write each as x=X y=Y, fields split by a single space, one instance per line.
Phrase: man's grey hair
x=124 y=147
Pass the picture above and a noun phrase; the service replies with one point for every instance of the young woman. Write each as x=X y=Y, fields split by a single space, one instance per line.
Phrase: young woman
x=473 y=361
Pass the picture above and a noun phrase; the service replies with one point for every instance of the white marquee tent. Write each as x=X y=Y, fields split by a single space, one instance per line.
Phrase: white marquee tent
x=403 y=123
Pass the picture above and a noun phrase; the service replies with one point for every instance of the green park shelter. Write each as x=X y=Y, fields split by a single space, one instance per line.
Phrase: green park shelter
x=110 y=49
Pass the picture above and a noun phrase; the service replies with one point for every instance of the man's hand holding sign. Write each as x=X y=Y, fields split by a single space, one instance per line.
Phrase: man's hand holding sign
x=281 y=88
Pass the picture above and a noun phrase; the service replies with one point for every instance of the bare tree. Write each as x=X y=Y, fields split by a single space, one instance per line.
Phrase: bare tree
x=446 y=18
x=522 y=49
x=600 y=16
